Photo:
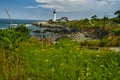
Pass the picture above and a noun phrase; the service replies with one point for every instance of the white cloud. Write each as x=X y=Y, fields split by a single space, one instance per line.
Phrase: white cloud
x=63 y=5
x=31 y=7
x=81 y=7
x=52 y=6
x=76 y=5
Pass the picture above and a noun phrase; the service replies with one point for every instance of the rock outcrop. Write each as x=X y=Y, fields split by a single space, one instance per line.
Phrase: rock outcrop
x=47 y=25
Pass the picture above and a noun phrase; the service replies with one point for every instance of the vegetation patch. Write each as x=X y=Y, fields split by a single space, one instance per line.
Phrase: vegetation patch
x=25 y=58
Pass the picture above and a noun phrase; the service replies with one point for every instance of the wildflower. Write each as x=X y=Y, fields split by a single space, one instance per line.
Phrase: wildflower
x=46 y=60
x=60 y=48
x=78 y=78
x=102 y=66
x=43 y=50
x=62 y=64
x=78 y=48
x=87 y=69
x=118 y=72
x=98 y=55
x=55 y=55
x=53 y=69
x=16 y=49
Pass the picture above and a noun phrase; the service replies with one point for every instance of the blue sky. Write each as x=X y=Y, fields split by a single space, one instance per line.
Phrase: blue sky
x=73 y=9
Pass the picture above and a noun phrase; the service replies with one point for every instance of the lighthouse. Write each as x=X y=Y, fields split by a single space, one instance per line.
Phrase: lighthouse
x=54 y=15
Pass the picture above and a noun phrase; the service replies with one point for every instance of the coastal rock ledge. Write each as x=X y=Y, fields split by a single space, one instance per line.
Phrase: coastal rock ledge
x=47 y=25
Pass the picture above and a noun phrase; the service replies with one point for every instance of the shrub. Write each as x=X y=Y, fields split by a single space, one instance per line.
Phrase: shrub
x=10 y=38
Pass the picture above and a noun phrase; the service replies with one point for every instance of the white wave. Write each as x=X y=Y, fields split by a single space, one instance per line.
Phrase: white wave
x=27 y=25
x=2 y=28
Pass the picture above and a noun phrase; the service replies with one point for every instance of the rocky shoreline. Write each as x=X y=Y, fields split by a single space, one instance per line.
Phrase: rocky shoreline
x=55 y=33
x=47 y=25
x=77 y=34
x=92 y=32
x=58 y=33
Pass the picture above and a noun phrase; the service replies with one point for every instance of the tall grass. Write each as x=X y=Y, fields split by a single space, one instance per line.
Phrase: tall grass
x=35 y=60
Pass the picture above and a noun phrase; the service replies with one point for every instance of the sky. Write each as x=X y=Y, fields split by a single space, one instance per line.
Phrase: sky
x=43 y=9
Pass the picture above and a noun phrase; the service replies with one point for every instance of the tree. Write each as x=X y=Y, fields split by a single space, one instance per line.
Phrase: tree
x=94 y=17
x=103 y=32
x=118 y=14
x=105 y=18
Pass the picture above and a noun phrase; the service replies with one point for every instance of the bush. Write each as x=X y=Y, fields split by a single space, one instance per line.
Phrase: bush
x=94 y=43
x=10 y=38
x=117 y=32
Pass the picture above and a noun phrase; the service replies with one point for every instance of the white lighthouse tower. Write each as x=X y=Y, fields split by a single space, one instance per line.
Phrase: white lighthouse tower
x=54 y=15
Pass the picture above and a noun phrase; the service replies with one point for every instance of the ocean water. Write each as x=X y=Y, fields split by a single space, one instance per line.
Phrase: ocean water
x=5 y=23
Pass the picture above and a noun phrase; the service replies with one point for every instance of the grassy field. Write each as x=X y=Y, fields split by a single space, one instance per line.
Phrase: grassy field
x=65 y=60
x=25 y=58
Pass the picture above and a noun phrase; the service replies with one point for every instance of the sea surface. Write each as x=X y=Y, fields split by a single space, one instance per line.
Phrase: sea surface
x=6 y=23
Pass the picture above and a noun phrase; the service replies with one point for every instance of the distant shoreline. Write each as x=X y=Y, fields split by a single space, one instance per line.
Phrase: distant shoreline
x=19 y=21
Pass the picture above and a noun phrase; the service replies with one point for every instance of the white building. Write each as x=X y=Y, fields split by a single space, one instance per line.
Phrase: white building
x=54 y=15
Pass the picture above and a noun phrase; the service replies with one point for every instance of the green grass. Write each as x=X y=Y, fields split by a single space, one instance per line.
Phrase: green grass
x=25 y=58
x=10 y=38
x=65 y=60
